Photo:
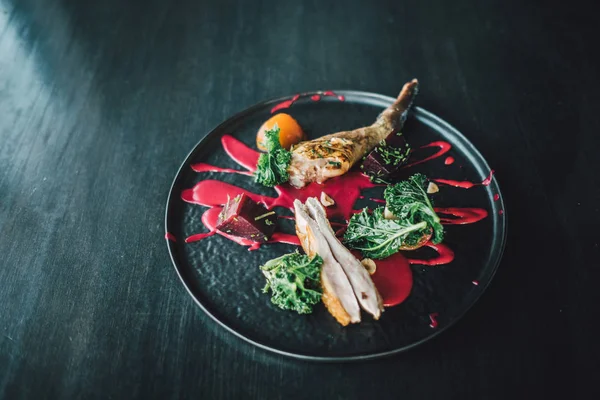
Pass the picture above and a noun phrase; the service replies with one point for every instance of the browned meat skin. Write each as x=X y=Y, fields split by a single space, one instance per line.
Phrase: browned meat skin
x=364 y=289
x=333 y=155
x=393 y=117
x=338 y=295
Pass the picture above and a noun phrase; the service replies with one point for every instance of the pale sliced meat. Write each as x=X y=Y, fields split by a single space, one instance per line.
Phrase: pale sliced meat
x=333 y=155
x=362 y=284
x=338 y=295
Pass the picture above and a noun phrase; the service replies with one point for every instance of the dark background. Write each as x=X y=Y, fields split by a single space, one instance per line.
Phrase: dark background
x=101 y=101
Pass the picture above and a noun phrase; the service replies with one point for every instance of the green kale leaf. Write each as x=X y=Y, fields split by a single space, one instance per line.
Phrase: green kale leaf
x=408 y=201
x=294 y=280
x=414 y=219
x=271 y=169
x=377 y=237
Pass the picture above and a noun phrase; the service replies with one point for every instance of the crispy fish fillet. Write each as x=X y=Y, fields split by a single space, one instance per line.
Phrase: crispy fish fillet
x=333 y=155
x=364 y=289
x=338 y=295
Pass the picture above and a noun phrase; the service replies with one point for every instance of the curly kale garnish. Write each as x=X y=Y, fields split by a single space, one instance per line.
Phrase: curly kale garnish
x=271 y=169
x=414 y=218
x=377 y=237
x=294 y=280
x=408 y=200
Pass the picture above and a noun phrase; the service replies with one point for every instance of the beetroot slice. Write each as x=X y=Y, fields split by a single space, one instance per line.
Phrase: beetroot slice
x=384 y=161
x=246 y=218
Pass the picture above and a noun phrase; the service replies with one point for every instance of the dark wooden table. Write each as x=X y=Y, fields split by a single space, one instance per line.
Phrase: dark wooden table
x=101 y=101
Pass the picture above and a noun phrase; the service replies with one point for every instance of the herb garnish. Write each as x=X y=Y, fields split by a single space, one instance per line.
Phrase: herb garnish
x=294 y=280
x=271 y=169
x=408 y=200
x=264 y=215
x=392 y=155
x=378 y=237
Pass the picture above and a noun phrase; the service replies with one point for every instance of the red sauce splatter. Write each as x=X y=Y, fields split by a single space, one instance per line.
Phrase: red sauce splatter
x=199 y=236
x=240 y=153
x=496 y=197
x=393 y=279
x=476 y=283
x=211 y=193
x=449 y=160
x=377 y=200
x=343 y=189
x=463 y=215
x=170 y=236
x=444 y=148
x=433 y=319
x=488 y=180
x=445 y=255
x=202 y=167
x=459 y=184
x=285 y=104
x=331 y=93
x=315 y=97
x=465 y=184
x=501 y=212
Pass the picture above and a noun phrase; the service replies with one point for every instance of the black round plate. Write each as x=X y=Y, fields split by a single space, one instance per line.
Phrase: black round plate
x=224 y=279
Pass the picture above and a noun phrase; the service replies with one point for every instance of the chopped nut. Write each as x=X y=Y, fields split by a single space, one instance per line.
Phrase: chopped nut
x=387 y=214
x=432 y=188
x=369 y=265
x=326 y=200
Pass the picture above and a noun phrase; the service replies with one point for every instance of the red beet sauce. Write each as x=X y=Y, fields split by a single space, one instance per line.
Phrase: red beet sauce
x=433 y=319
x=466 y=184
x=393 y=279
x=315 y=97
x=461 y=215
x=445 y=255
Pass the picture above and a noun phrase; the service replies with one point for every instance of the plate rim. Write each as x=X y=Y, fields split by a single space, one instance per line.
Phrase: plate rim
x=351 y=358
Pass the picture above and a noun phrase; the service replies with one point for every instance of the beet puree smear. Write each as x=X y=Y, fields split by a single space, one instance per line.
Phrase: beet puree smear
x=433 y=319
x=393 y=279
x=461 y=216
x=170 y=236
x=393 y=276
x=466 y=184
x=315 y=97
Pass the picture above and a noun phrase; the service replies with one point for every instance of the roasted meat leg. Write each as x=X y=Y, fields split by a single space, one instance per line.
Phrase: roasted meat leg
x=333 y=155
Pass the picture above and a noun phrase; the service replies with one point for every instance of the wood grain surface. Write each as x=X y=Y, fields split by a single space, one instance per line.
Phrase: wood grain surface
x=101 y=101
